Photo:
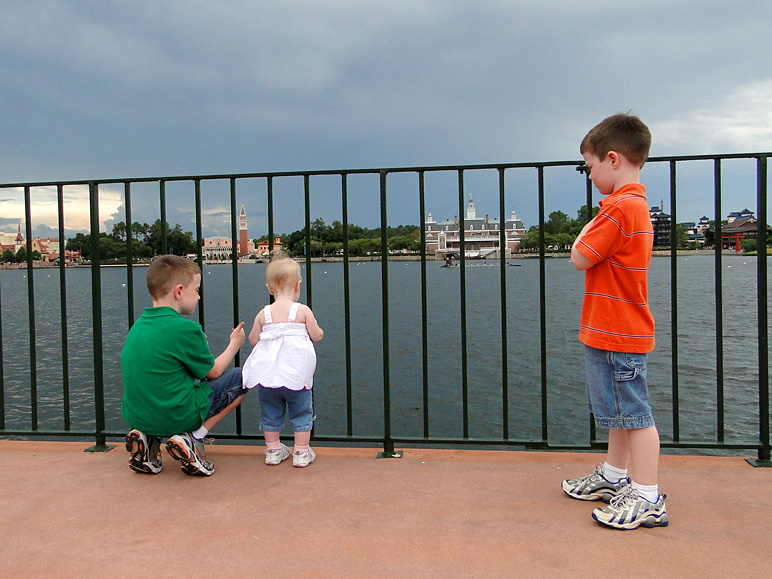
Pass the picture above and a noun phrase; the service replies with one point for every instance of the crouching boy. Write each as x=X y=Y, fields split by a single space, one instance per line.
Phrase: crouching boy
x=163 y=357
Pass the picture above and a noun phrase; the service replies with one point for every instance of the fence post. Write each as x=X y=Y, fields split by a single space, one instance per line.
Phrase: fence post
x=763 y=320
x=96 y=316
x=388 y=443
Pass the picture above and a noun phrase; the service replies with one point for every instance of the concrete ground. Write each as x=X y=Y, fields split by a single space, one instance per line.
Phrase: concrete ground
x=433 y=513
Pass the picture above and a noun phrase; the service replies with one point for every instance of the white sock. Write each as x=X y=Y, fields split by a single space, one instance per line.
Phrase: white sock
x=612 y=473
x=650 y=493
x=201 y=433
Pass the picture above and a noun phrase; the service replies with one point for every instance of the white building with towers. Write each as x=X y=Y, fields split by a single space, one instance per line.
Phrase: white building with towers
x=482 y=235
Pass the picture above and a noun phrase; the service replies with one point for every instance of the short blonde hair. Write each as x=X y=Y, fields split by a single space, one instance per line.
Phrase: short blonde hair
x=166 y=271
x=282 y=271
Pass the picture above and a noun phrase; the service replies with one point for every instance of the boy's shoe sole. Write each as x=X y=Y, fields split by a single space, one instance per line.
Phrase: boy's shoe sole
x=136 y=445
x=182 y=449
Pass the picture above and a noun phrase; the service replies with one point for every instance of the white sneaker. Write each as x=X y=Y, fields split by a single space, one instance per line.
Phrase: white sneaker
x=303 y=459
x=274 y=457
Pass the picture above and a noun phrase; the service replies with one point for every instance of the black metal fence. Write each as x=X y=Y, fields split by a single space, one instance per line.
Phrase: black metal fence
x=757 y=335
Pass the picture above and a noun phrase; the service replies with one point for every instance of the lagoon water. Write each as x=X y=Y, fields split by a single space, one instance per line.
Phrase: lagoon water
x=568 y=421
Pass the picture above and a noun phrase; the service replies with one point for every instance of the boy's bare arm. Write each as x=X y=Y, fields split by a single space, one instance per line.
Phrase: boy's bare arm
x=222 y=361
x=578 y=259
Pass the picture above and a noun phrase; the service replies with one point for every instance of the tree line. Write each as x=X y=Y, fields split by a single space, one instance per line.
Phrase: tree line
x=325 y=240
x=20 y=256
x=560 y=230
x=328 y=239
x=146 y=242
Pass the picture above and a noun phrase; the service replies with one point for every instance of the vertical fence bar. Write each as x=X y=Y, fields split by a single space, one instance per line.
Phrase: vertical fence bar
x=199 y=256
x=719 y=292
x=269 y=200
x=31 y=314
x=424 y=300
x=388 y=443
x=307 y=198
x=503 y=246
x=763 y=312
x=462 y=292
x=347 y=306
x=235 y=249
x=129 y=252
x=674 y=303
x=96 y=315
x=199 y=238
x=164 y=224
x=63 y=310
x=236 y=246
x=542 y=311
x=588 y=193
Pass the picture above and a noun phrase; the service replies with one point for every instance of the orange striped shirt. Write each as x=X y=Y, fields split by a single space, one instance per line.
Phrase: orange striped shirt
x=615 y=312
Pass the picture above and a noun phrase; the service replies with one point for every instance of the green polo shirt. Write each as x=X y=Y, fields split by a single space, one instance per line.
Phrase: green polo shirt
x=162 y=357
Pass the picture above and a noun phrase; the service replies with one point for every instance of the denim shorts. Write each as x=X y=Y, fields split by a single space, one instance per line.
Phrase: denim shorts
x=299 y=405
x=225 y=390
x=617 y=393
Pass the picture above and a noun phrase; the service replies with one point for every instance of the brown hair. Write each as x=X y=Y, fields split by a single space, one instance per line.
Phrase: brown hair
x=166 y=271
x=623 y=133
x=282 y=270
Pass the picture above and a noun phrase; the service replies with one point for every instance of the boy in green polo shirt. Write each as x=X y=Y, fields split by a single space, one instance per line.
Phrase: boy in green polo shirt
x=163 y=356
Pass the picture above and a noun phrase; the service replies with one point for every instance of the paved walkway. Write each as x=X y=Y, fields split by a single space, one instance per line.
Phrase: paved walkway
x=433 y=513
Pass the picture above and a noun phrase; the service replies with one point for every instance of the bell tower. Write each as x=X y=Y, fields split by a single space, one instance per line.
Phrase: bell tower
x=243 y=236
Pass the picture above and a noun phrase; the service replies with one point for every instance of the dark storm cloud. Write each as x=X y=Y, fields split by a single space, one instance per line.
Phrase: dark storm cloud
x=103 y=89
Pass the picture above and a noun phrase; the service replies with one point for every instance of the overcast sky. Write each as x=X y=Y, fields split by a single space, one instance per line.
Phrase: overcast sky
x=94 y=89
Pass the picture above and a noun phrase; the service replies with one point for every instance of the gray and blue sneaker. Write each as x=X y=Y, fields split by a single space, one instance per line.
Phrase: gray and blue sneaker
x=594 y=487
x=628 y=510
x=190 y=452
x=145 y=452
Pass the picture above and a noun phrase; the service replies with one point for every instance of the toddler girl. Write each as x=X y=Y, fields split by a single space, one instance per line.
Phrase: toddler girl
x=282 y=363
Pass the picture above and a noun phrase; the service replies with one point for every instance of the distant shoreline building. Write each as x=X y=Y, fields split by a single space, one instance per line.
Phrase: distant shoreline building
x=482 y=235
x=263 y=247
x=48 y=248
x=742 y=225
x=660 y=222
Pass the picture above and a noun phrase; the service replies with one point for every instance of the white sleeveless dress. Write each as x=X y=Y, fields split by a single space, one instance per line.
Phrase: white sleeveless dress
x=284 y=356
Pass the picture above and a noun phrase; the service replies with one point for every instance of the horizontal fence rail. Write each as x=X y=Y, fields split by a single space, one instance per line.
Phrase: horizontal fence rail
x=461 y=389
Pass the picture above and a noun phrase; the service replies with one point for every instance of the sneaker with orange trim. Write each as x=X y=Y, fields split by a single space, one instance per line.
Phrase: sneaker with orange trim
x=190 y=452
x=145 y=452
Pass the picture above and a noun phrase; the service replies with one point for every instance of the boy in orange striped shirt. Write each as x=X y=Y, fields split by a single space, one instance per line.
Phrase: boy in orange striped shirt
x=617 y=328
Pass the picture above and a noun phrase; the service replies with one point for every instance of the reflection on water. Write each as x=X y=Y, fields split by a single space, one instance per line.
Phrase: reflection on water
x=566 y=409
